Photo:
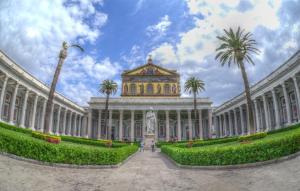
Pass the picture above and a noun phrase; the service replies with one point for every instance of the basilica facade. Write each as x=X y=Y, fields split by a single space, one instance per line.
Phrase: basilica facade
x=146 y=87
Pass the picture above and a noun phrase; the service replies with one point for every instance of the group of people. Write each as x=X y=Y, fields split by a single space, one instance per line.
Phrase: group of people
x=142 y=146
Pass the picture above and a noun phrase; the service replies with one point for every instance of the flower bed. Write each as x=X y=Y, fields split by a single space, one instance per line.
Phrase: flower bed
x=23 y=144
x=46 y=137
x=270 y=147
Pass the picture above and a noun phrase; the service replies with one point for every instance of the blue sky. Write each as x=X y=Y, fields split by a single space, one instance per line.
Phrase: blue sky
x=119 y=34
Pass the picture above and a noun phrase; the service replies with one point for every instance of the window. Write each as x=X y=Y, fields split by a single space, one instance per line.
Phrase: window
x=150 y=89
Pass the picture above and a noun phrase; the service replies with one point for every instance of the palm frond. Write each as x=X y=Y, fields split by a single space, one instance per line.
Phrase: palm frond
x=77 y=46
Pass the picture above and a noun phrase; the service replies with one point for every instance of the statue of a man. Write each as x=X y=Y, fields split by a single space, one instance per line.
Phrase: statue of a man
x=150 y=121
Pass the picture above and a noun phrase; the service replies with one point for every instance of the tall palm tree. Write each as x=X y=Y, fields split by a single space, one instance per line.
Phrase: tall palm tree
x=62 y=56
x=194 y=86
x=237 y=48
x=108 y=87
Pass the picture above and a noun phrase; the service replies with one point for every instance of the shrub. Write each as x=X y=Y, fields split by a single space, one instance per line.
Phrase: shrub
x=252 y=137
x=94 y=142
x=14 y=128
x=26 y=146
x=161 y=143
x=284 y=129
x=271 y=147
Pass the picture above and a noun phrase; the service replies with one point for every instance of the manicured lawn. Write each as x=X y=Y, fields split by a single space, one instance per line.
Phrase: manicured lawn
x=21 y=143
x=274 y=145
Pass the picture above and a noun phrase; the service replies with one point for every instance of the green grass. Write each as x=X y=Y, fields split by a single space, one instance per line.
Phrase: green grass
x=274 y=145
x=21 y=143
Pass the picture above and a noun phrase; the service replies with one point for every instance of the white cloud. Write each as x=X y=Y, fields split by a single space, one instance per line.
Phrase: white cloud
x=32 y=31
x=160 y=28
x=195 y=50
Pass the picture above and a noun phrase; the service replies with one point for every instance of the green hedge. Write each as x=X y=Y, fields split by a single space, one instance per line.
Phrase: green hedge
x=271 y=147
x=26 y=146
x=14 y=128
x=94 y=142
x=295 y=126
x=252 y=137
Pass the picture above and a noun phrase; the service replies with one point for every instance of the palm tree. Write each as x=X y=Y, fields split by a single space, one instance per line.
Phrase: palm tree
x=108 y=87
x=194 y=86
x=237 y=48
x=62 y=56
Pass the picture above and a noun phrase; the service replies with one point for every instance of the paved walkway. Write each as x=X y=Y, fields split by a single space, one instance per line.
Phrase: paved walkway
x=147 y=171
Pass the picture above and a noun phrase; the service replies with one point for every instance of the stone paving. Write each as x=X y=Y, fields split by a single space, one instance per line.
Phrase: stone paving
x=147 y=171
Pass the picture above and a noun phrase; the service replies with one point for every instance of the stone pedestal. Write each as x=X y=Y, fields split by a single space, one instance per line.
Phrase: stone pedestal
x=148 y=139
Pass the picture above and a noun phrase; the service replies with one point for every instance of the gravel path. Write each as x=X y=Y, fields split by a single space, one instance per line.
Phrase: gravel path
x=147 y=171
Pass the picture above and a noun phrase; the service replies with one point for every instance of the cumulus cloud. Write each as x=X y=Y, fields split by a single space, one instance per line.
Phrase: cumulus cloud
x=195 y=51
x=32 y=31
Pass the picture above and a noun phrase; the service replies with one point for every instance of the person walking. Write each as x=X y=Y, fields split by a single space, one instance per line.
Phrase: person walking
x=141 y=146
x=152 y=146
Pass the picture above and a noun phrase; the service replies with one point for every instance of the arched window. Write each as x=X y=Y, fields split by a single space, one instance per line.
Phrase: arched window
x=132 y=89
x=167 y=89
x=150 y=89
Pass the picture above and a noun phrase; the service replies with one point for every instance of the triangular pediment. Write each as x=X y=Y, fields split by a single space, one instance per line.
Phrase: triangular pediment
x=149 y=70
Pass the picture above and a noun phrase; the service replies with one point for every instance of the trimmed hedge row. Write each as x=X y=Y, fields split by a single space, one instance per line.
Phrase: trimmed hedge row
x=26 y=146
x=46 y=137
x=252 y=137
x=270 y=147
x=197 y=143
x=94 y=142
x=14 y=128
x=295 y=126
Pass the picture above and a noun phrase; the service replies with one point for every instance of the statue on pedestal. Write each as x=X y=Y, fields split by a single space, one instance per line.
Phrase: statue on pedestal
x=150 y=121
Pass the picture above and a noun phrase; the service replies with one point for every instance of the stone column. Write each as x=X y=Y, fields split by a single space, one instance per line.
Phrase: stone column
x=256 y=115
x=200 y=124
x=51 y=120
x=121 y=125
x=167 y=126
x=89 y=129
x=156 y=126
x=58 y=120
x=99 y=124
x=276 y=109
x=297 y=96
x=209 y=123
x=190 y=125
x=287 y=104
x=242 y=120
x=230 y=124
x=84 y=127
x=219 y=126
x=12 y=108
x=110 y=124
x=75 y=124
x=225 y=124
x=80 y=126
x=132 y=126
x=24 y=107
x=43 y=115
x=34 y=111
x=267 y=116
x=2 y=95
x=235 y=122
x=178 y=125
x=144 y=123
x=64 y=122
